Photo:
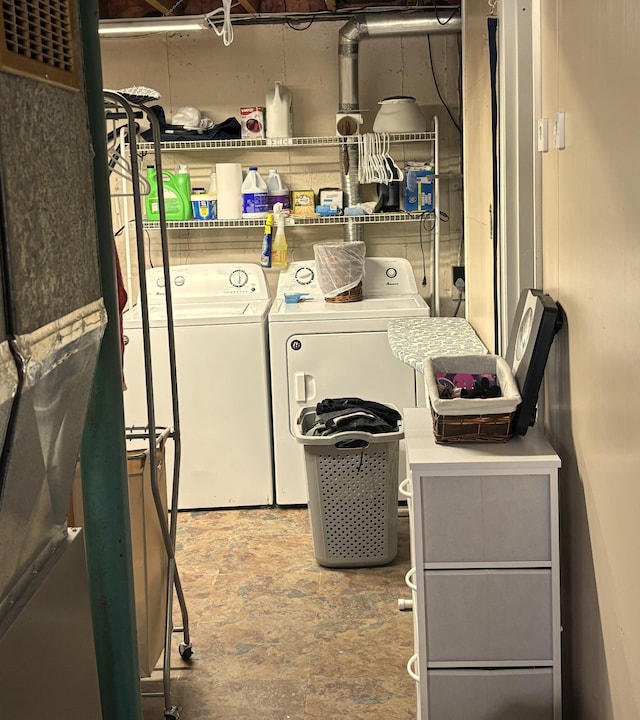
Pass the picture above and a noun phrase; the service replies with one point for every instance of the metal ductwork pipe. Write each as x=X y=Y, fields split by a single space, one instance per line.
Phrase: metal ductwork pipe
x=358 y=28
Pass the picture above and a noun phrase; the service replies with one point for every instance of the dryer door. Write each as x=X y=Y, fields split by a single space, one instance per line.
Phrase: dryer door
x=346 y=364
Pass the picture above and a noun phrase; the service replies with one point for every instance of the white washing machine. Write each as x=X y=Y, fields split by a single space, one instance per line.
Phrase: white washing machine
x=329 y=350
x=220 y=322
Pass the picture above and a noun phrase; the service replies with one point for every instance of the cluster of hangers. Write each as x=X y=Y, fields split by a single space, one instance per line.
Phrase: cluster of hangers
x=375 y=164
x=118 y=163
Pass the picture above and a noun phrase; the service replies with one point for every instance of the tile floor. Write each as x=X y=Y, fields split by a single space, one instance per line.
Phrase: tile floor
x=278 y=637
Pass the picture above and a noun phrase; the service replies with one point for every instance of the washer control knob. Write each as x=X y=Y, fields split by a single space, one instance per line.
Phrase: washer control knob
x=304 y=275
x=391 y=272
x=160 y=281
x=179 y=280
x=239 y=278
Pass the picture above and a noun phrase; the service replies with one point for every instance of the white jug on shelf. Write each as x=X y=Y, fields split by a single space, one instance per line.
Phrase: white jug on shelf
x=278 y=110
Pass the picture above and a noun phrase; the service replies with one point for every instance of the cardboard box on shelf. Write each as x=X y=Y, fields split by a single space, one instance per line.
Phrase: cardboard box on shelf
x=252 y=122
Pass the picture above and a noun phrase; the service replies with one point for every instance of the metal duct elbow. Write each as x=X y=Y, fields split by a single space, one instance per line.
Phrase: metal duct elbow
x=348 y=46
x=379 y=25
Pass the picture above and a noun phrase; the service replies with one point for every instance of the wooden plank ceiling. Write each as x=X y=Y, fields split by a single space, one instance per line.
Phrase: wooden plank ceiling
x=154 y=8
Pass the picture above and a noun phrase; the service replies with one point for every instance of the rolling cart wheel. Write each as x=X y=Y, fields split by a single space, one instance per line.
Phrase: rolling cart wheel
x=172 y=713
x=185 y=650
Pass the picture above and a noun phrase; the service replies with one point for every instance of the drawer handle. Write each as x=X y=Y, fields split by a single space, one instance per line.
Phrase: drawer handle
x=405 y=488
x=410 y=668
x=410 y=580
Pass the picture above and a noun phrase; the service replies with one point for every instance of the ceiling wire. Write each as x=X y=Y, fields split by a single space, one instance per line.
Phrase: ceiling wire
x=435 y=82
x=226 y=30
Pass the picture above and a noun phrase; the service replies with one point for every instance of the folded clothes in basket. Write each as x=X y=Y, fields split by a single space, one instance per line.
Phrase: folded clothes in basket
x=353 y=414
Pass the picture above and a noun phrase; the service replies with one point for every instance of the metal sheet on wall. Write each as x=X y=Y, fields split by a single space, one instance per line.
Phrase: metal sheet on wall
x=53 y=308
x=58 y=369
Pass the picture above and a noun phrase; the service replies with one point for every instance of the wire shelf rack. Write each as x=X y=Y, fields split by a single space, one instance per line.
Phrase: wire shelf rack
x=280 y=143
x=388 y=217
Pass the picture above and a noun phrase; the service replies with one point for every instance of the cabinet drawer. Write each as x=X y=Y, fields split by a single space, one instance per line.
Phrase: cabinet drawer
x=504 y=518
x=488 y=615
x=490 y=694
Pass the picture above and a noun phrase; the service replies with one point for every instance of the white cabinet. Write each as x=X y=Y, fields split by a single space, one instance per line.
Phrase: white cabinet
x=485 y=577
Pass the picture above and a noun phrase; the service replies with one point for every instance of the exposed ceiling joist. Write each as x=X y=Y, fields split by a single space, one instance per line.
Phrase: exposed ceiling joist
x=164 y=6
x=251 y=6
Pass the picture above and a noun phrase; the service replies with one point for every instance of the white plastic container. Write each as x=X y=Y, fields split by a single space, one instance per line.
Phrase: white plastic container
x=278 y=191
x=279 y=114
x=255 y=197
x=399 y=114
x=205 y=205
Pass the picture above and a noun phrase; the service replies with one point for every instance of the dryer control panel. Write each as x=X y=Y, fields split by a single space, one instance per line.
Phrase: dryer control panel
x=382 y=277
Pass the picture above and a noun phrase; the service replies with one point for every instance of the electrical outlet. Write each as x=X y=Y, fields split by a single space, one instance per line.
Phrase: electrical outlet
x=458 y=281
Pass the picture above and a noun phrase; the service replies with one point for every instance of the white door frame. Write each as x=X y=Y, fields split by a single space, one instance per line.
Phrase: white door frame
x=520 y=242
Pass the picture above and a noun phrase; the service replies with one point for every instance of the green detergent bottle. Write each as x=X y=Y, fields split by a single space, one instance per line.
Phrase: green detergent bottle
x=177 y=194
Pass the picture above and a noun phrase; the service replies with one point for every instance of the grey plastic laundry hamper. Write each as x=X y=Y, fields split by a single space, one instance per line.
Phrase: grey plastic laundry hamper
x=352 y=479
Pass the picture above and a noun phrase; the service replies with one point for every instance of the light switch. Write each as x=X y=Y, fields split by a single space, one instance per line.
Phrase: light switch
x=558 y=131
x=543 y=134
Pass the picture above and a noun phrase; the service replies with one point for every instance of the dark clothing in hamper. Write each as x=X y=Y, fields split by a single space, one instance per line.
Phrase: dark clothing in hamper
x=353 y=414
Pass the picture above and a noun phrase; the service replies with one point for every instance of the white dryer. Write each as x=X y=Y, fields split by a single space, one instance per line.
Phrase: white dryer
x=324 y=350
x=220 y=321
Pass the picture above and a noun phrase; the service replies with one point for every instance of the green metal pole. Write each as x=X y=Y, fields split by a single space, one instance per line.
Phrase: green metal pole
x=103 y=452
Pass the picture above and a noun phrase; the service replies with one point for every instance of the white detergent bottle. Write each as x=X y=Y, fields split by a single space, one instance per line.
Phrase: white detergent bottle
x=255 y=198
x=278 y=191
x=278 y=109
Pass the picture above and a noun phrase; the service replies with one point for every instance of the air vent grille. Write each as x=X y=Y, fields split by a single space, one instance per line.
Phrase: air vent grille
x=37 y=40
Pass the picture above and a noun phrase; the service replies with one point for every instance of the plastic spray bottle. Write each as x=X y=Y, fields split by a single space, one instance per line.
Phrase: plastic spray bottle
x=279 y=246
x=265 y=256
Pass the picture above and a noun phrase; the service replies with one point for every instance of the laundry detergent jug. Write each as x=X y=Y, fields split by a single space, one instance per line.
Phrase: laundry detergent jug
x=177 y=194
x=277 y=190
x=278 y=109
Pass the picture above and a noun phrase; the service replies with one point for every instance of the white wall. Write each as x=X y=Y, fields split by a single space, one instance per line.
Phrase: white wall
x=197 y=69
x=591 y=216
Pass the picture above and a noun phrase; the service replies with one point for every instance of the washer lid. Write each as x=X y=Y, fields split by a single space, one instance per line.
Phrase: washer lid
x=538 y=318
x=309 y=309
x=202 y=313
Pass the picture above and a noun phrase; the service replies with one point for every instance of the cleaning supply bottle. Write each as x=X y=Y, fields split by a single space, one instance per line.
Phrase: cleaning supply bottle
x=183 y=192
x=278 y=109
x=255 y=198
x=265 y=256
x=279 y=246
x=177 y=194
x=205 y=205
x=278 y=191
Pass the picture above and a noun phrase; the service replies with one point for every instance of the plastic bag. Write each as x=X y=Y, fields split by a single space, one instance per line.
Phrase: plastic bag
x=339 y=266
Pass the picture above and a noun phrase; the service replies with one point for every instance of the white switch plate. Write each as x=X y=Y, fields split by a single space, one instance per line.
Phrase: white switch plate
x=543 y=134
x=558 y=131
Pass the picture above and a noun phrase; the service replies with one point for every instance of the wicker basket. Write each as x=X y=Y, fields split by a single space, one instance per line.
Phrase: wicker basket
x=471 y=420
x=470 y=428
x=352 y=295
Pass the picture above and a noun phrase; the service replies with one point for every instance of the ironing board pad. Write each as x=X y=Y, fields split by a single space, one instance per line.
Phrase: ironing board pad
x=413 y=339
